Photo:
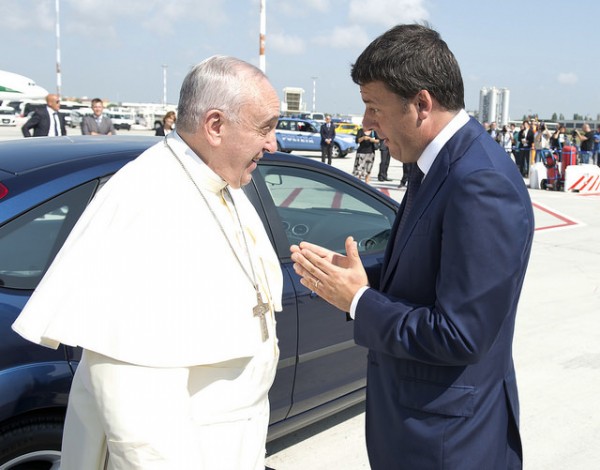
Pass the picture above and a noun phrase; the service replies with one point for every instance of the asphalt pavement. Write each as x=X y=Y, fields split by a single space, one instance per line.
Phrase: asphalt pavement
x=556 y=347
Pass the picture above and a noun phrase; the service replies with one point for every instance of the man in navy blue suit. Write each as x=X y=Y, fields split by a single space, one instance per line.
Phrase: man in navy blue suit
x=327 y=135
x=46 y=121
x=438 y=318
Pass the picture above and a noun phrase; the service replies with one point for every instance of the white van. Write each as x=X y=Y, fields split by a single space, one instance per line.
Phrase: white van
x=7 y=116
x=121 y=119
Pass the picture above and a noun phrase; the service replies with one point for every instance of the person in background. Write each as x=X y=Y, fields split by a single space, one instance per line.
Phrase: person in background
x=558 y=137
x=327 y=135
x=384 y=164
x=97 y=123
x=506 y=140
x=166 y=381
x=438 y=315
x=406 y=169
x=47 y=121
x=493 y=131
x=597 y=146
x=365 y=154
x=586 y=142
x=541 y=141
x=525 y=143
x=168 y=124
x=515 y=134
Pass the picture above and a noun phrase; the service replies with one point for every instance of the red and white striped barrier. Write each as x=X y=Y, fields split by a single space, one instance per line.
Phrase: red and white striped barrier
x=582 y=178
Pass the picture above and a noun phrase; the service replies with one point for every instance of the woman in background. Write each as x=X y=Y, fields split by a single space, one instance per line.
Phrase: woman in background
x=168 y=124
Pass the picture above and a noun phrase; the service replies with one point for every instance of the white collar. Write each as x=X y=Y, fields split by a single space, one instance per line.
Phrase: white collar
x=200 y=171
x=431 y=151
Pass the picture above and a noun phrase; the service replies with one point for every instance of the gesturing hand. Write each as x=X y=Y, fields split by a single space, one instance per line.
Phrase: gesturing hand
x=335 y=277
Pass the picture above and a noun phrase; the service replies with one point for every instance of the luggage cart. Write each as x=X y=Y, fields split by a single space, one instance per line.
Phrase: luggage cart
x=554 y=179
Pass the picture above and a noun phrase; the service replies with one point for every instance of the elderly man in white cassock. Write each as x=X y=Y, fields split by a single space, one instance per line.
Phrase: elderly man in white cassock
x=169 y=284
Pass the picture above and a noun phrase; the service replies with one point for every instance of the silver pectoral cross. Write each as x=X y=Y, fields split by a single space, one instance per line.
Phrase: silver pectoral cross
x=260 y=310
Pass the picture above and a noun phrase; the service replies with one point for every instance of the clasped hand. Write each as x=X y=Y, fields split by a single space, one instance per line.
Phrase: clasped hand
x=335 y=277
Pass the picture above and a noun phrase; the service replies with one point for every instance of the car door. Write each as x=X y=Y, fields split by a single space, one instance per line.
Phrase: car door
x=288 y=136
x=322 y=205
x=311 y=136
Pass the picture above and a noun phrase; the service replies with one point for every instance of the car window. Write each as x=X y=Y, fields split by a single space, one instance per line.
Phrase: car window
x=323 y=209
x=29 y=243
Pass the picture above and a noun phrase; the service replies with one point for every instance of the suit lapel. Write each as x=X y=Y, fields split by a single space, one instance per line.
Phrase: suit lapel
x=452 y=151
x=429 y=188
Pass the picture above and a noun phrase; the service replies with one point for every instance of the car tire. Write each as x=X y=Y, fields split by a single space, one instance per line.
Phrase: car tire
x=31 y=443
x=336 y=151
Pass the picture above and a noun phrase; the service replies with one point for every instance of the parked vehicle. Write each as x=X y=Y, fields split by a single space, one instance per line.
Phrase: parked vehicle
x=347 y=128
x=121 y=119
x=303 y=134
x=77 y=116
x=45 y=184
x=7 y=116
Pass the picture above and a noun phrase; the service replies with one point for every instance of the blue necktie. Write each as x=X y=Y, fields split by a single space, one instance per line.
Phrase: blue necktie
x=414 y=182
x=56 y=125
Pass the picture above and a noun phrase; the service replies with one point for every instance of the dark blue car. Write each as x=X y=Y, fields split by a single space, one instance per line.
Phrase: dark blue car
x=46 y=183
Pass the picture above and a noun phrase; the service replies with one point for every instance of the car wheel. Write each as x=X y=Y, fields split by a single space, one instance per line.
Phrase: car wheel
x=336 y=152
x=31 y=443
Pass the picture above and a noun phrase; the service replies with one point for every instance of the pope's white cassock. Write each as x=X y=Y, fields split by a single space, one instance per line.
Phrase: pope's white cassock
x=148 y=278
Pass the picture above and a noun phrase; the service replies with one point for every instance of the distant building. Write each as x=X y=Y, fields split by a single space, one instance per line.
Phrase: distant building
x=494 y=104
x=293 y=101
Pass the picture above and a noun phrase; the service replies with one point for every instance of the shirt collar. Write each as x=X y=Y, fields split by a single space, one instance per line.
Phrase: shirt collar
x=431 y=151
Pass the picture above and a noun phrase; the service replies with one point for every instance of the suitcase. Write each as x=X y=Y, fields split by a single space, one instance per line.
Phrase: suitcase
x=568 y=157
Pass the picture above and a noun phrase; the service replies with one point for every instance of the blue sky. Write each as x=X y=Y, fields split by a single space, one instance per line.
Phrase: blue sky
x=543 y=51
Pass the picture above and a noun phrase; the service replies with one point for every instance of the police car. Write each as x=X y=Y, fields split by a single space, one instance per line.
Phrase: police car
x=303 y=134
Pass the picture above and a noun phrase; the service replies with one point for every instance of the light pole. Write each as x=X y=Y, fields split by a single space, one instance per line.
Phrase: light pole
x=314 y=104
x=58 y=75
x=262 y=36
x=164 y=102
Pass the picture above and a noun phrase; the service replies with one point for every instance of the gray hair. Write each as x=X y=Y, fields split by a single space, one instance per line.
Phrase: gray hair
x=219 y=82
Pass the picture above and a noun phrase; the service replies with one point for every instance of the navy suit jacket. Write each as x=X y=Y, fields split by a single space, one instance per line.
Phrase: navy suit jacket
x=439 y=321
x=327 y=133
x=40 y=123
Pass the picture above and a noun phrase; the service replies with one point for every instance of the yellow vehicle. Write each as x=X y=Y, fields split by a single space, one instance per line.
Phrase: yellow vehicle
x=347 y=128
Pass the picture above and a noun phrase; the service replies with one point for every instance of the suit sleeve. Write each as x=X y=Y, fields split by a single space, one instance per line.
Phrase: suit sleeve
x=112 y=130
x=33 y=122
x=85 y=127
x=63 y=125
x=486 y=231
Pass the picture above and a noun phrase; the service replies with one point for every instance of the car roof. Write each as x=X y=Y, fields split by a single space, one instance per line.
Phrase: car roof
x=23 y=155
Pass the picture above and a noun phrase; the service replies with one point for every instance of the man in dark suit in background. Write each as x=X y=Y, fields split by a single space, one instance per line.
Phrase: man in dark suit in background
x=525 y=143
x=438 y=319
x=327 y=136
x=46 y=121
x=384 y=164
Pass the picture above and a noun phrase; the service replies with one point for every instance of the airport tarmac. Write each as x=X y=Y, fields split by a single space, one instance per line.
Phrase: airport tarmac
x=556 y=347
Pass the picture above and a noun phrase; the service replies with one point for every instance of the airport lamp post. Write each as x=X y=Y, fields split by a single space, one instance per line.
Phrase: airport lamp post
x=164 y=102
x=314 y=104
x=58 y=75
x=262 y=35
